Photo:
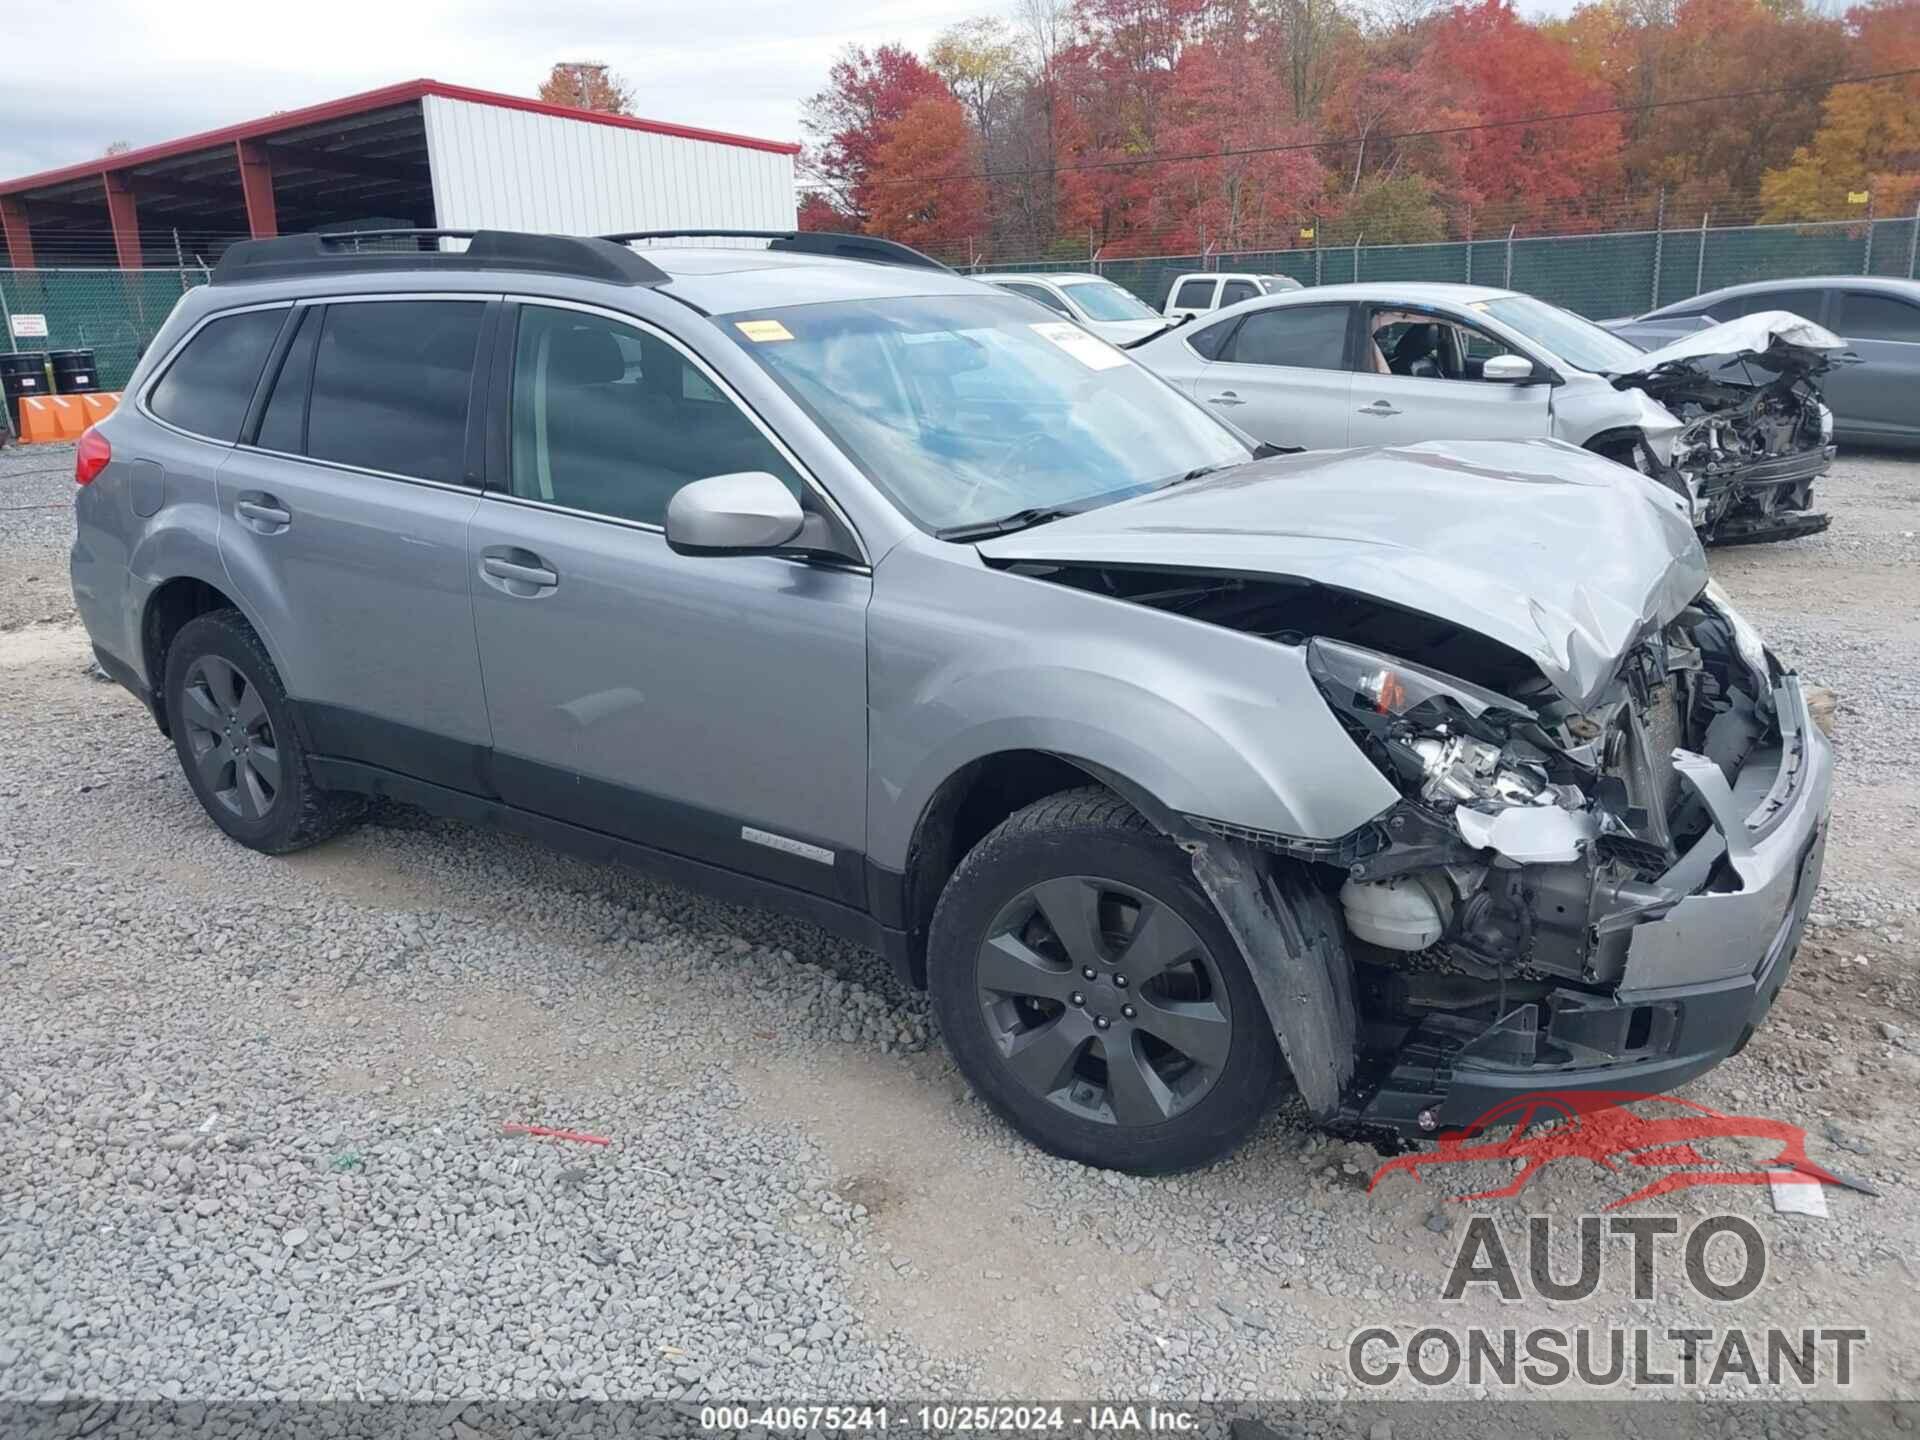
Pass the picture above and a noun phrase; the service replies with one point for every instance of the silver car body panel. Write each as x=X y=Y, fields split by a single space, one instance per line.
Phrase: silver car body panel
x=1554 y=552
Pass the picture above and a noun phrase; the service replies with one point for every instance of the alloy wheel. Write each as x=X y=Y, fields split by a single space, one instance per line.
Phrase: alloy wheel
x=230 y=736
x=1103 y=1001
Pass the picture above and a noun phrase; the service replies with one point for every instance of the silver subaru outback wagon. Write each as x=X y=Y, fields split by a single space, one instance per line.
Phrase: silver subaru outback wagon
x=806 y=570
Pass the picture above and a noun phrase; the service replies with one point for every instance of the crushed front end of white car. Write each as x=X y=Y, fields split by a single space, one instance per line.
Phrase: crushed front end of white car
x=1754 y=433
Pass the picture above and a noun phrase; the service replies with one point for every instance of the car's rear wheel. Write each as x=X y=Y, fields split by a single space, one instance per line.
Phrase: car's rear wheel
x=233 y=730
x=1092 y=995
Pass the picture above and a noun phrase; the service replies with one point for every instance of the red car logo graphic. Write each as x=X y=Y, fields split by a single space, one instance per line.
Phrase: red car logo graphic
x=1596 y=1125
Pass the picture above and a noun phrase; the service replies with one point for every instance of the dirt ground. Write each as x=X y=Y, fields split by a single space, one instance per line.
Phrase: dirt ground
x=507 y=971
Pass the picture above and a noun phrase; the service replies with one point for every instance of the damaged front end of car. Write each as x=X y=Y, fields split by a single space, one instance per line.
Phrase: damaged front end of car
x=1606 y=894
x=1595 y=804
x=1755 y=433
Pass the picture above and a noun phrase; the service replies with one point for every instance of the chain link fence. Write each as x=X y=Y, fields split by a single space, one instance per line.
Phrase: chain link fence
x=1600 y=276
x=114 y=313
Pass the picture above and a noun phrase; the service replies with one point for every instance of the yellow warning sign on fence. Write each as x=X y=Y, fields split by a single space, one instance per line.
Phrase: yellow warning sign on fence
x=1859 y=197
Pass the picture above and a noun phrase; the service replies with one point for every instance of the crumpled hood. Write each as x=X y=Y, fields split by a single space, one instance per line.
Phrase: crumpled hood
x=1780 y=332
x=1549 y=549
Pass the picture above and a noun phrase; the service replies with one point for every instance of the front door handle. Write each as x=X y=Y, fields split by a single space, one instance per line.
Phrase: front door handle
x=1225 y=397
x=263 y=512
x=1378 y=407
x=516 y=571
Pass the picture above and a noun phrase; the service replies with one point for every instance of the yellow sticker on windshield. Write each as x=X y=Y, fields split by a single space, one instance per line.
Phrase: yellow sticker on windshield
x=760 y=331
x=1089 y=350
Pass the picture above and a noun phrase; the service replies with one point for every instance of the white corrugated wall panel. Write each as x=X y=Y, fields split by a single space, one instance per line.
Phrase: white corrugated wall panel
x=501 y=169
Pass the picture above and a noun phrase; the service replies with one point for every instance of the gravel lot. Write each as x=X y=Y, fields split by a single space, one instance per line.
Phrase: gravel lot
x=251 y=1109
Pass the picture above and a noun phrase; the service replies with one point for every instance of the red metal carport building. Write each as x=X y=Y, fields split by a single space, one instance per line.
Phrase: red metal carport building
x=420 y=153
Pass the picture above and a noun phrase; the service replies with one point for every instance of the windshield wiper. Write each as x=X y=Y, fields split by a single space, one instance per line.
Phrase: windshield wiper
x=1006 y=524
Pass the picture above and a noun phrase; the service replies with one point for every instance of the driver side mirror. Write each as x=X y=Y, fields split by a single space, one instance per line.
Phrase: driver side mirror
x=744 y=513
x=1511 y=369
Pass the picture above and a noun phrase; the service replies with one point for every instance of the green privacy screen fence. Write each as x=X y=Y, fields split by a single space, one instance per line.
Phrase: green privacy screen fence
x=1620 y=273
x=113 y=313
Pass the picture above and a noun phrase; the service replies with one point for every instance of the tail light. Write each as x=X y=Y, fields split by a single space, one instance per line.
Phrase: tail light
x=92 y=456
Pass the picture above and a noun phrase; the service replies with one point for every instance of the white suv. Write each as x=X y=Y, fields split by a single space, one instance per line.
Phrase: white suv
x=1209 y=290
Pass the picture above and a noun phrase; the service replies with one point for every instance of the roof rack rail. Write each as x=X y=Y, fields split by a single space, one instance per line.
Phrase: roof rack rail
x=804 y=242
x=340 y=253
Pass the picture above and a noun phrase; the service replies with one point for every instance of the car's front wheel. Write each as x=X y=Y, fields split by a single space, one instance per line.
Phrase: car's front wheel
x=1091 y=994
x=233 y=729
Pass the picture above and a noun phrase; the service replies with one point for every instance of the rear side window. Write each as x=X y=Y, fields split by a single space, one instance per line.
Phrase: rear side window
x=1312 y=337
x=1208 y=343
x=1878 y=317
x=612 y=420
x=1234 y=291
x=1044 y=296
x=209 y=385
x=284 y=426
x=1194 y=295
x=390 y=386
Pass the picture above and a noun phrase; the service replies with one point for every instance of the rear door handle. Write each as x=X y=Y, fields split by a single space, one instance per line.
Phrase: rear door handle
x=1378 y=407
x=519 y=572
x=262 y=512
x=1225 y=397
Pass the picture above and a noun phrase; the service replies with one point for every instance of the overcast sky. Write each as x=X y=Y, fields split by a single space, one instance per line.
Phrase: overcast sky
x=81 y=74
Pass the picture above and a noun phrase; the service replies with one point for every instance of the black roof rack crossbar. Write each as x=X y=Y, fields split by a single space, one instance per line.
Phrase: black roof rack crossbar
x=804 y=242
x=343 y=252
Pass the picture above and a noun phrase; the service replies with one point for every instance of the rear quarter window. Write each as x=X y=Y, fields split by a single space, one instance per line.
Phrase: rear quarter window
x=210 y=383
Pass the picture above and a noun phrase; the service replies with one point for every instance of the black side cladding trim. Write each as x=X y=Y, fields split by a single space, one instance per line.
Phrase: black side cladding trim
x=617 y=811
x=846 y=921
x=336 y=731
x=123 y=675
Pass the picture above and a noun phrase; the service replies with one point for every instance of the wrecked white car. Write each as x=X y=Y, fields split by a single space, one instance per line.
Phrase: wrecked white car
x=1729 y=417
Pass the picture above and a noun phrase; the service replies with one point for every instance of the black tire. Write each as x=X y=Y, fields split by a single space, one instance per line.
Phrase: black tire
x=1075 y=844
x=240 y=750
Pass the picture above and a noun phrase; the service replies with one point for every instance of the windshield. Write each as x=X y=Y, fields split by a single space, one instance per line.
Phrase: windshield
x=1581 y=343
x=963 y=409
x=1104 y=300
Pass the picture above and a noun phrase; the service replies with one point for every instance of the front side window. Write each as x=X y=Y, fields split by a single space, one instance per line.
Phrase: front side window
x=1234 y=291
x=1578 y=342
x=1104 y=300
x=610 y=419
x=209 y=385
x=1310 y=337
x=1194 y=295
x=964 y=409
x=390 y=386
x=1866 y=316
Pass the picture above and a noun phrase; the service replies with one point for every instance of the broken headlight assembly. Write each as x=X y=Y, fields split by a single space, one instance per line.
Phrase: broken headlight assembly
x=1444 y=740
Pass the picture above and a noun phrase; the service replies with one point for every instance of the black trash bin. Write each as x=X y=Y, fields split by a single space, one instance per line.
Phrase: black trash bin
x=73 y=372
x=22 y=374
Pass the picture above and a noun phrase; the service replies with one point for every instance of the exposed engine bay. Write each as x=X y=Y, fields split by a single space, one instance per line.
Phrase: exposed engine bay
x=1756 y=433
x=1489 y=916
